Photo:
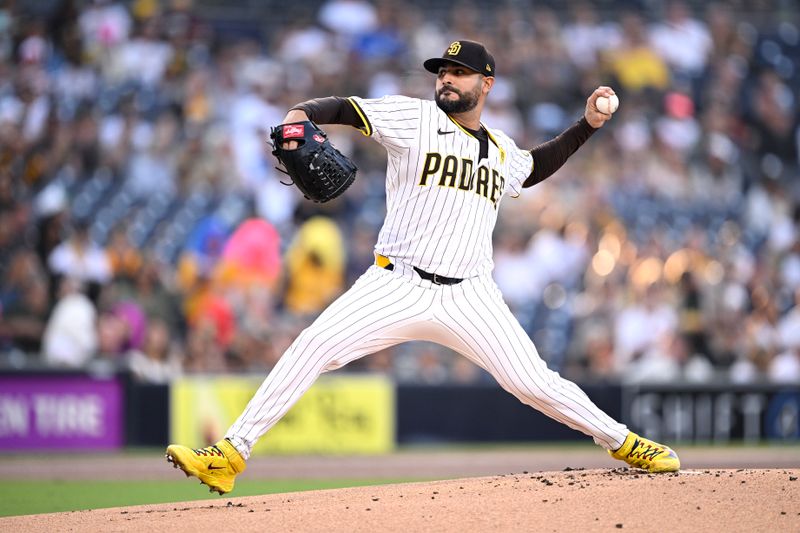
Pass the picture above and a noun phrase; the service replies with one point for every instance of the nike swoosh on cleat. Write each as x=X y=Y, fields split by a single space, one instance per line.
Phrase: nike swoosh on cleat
x=440 y=132
x=212 y=467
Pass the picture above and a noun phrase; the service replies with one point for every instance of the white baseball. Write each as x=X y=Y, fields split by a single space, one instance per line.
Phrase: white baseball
x=607 y=105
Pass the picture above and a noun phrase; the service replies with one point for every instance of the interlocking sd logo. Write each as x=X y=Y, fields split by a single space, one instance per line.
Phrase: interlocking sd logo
x=293 y=131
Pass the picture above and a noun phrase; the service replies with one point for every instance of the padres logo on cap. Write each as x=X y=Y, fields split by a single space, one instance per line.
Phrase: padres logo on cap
x=470 y=54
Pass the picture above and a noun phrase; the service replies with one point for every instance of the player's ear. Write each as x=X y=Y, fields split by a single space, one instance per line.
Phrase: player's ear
x=488 y=82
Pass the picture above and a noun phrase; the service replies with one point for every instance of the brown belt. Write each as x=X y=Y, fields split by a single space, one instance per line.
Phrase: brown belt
x=384 y=262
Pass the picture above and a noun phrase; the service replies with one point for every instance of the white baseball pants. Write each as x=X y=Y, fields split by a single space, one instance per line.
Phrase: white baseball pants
x=384 y=308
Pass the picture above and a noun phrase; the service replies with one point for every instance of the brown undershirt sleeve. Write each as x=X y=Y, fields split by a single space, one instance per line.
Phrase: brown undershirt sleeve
x=550 y=156
x=331 y=110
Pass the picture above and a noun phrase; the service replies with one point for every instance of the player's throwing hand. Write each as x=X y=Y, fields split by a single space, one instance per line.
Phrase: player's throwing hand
x=593 y=116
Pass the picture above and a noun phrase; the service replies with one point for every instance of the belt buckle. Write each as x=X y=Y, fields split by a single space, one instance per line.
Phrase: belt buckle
x=435 y=280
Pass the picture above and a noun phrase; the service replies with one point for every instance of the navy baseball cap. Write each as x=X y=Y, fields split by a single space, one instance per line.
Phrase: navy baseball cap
x=469 y=54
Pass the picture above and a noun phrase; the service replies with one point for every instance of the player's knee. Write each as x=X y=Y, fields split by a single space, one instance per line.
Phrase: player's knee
x=333 y=365
x=517 y=388
x=315 y=341
x=530 y=392
x=323 y=350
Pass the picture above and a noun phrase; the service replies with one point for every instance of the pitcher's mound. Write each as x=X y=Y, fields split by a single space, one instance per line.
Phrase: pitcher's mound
x=571 y=500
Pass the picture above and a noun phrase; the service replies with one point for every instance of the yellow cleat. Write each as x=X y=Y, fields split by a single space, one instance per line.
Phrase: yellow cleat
x=216 y=466
x=647 y=454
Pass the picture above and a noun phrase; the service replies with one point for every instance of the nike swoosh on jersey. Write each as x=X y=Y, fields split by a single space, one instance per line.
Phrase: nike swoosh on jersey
x=440 y=132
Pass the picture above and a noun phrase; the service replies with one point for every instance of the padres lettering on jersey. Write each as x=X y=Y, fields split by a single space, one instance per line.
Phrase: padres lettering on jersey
x=448 y=170
x=441 y=200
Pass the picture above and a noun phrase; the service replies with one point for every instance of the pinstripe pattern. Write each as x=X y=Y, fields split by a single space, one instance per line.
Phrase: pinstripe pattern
x=477 y=315
x=363 y=320
x=445 y=230
x=386 y=308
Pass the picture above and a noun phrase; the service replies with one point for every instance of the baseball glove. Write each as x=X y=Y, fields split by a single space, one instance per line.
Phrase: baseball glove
x=319 y=170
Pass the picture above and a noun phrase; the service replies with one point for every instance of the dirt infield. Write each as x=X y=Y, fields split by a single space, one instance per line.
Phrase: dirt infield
x=574 y=500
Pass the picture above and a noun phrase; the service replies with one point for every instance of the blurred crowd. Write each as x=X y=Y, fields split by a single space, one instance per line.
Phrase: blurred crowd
x=143 y=225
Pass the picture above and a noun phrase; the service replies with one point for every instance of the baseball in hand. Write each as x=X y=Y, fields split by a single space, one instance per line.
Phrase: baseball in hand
x=607 y=105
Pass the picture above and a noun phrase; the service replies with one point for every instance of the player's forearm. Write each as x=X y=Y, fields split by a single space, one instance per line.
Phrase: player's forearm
x=330 y=110
x=550 y=156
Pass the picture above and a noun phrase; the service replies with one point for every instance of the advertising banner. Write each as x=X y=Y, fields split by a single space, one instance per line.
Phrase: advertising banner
x=60 y=413
x=339 y=414
x=714 y=413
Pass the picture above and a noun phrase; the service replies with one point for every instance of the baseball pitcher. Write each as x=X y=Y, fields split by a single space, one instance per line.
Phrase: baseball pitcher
x=446 y=176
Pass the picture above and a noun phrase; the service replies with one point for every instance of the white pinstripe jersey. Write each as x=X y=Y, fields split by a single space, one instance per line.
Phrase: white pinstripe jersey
x=441 y=202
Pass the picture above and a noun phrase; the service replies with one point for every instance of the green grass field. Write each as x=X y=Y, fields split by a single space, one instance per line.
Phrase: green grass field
x=33 y=497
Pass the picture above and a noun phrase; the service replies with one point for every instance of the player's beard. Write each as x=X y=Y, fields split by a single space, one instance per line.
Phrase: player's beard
x=466 y=100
